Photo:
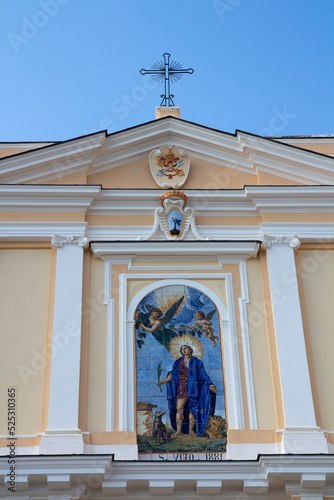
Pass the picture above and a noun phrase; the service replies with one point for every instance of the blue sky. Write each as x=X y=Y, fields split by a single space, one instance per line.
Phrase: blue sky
x=71 y=67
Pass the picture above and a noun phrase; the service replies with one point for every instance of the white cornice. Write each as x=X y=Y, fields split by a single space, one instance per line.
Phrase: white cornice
x=234 y=249
x=144 y=202
x=221 y=233
x=250 y=201
x=307 y=140
x=47 y=198
x=134 y=144
x=23 y=146
x=44 y=231
x=267 y=477
x=99 y=152
x=306 y=232
x=58 y=477
x=323 y=232
x=97 y=476
x=40 y=231
x=294 y=172
x=51 y=162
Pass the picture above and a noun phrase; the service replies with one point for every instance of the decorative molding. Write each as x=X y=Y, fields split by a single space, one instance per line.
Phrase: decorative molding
x=250 y=201
x=59 y=241
x=266 y=477
x=174 y=201
x=139 y=233
x=43 y=231
x=20 y=147
x=98 y=152
x=269 y=476
x=307 y=231
x=55 y=198
x=170 y=166
x=281 y=241
x=110 y=260
x=51 y=162
x=229 y=338
x=55 y=477
x=233 y=250
x=243 y=301
x=40 y=231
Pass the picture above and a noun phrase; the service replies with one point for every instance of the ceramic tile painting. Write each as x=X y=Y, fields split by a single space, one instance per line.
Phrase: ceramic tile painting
x=180 y=388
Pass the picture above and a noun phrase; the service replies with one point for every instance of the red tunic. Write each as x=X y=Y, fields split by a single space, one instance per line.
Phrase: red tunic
x=182 y=391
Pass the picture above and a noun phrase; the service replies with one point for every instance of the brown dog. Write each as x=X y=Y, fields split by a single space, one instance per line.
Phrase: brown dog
x=160 y=433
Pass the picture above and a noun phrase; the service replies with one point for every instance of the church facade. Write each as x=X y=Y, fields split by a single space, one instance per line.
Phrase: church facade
x=166 y=315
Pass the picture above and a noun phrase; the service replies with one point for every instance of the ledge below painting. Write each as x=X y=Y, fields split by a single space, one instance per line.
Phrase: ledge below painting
x=193 y=448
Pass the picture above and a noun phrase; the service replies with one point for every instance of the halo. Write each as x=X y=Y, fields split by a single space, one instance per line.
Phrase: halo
x=177 y=342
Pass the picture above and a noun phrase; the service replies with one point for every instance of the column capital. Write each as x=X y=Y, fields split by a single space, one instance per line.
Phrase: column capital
x=58 y=241
x=282 y=241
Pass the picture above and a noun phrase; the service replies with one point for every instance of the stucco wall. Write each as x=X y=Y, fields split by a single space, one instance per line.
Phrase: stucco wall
x=97 y=350
x=316 y=277
x=24 y=294
x=262 y=376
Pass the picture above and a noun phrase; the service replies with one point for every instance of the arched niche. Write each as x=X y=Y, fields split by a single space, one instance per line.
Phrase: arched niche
x=233 y=392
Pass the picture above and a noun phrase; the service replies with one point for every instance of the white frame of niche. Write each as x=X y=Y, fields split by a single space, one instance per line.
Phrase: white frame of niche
x=230 y=356
x=225 y=253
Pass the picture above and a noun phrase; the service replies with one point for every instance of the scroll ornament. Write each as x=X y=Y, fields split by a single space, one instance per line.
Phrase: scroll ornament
x=58 y=241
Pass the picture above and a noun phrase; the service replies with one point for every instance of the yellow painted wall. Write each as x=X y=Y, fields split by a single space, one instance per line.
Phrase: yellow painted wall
x=96 y=315
x=325 y=149
x=263 y=386
x=134 y=287
x=316 y=278
x=24 y=293
x=202 y=175
x=207 y=175
x=77 y=178
x=136 y=174
x=42 y=216
x=266 y=179
x=217 y=286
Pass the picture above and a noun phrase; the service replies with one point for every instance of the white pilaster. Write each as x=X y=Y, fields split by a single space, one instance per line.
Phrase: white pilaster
x=301 y=434
x=63 y=434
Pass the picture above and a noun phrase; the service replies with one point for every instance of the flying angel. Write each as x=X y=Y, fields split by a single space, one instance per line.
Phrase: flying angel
x=155 y=321
x=205 y=325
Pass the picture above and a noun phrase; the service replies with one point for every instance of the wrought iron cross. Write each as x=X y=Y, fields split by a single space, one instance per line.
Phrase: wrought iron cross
x=163 y=70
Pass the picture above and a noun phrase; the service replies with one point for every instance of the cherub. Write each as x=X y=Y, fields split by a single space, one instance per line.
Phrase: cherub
x=205 y=324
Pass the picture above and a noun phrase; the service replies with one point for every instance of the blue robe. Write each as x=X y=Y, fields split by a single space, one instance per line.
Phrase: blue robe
x=201 y=400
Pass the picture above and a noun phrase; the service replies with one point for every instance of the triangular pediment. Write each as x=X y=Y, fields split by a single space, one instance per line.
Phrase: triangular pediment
x=218 y=159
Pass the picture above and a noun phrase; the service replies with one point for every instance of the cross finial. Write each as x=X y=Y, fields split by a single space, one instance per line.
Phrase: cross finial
x=168 y=71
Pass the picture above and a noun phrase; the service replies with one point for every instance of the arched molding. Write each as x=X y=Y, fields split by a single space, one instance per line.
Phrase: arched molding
x=170 y=282
x=233 y=390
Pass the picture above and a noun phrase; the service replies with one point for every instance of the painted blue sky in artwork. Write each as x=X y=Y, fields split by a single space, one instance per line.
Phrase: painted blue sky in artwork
x=172 y=218
x=152 y=353
x=71 y=67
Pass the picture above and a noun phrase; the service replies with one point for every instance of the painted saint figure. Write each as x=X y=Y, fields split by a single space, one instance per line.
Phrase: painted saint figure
x=190 y=394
